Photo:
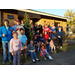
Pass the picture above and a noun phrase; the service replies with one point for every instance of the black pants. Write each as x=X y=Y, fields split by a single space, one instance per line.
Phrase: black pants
x=60 y=42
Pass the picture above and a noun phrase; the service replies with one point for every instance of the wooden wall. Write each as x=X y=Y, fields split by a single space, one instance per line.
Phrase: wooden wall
x=0 y=18
x=10 y=20
x=62 y=23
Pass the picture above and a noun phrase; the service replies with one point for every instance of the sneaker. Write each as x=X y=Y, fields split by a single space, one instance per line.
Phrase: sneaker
x=57 y=46
x=52 y=51
x=45 y=58
x=3 y=62
x=61 y=47
x=55 y=51
x=10 y=60
x=50 y=58
x=33 y=61
x=37 y=60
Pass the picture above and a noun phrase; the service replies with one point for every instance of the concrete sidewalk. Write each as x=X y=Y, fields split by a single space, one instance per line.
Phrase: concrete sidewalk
x=64 y=58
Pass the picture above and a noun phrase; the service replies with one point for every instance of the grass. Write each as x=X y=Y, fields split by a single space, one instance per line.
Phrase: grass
x=64 y=49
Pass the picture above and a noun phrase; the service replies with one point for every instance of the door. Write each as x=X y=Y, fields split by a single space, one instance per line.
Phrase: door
x=56 y=24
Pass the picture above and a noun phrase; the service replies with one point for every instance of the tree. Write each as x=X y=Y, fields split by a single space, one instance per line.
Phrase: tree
x=71 y=17
x=28 y=27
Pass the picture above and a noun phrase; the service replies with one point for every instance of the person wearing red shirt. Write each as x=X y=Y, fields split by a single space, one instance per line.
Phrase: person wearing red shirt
x=46 y=29
x=46 y=36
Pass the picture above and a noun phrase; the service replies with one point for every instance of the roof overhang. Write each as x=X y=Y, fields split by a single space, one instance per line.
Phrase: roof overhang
x=41 y=13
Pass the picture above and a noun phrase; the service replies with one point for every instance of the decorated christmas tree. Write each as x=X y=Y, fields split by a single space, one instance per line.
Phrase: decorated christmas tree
x=28 y=27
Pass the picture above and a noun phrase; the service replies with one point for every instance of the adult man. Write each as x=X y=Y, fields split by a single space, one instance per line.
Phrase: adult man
x=17 y=27
x=46 y=29
x=6 y=35
x=53 y=29
x=60 y=37
x=57 y=29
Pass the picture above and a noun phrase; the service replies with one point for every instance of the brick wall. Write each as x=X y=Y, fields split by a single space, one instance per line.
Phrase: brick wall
x=10 y=20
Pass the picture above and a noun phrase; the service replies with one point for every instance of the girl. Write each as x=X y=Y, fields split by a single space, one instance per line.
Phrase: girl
x=44 y=53
x=52 y=46
x=15 y=47
x=36 y=42
x=46 y=36
x=31 y=50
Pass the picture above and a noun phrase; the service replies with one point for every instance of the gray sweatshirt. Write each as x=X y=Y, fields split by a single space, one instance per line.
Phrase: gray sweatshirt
x=31 y=47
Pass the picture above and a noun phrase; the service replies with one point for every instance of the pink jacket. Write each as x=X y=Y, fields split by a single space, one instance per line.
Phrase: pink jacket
x=15 y=45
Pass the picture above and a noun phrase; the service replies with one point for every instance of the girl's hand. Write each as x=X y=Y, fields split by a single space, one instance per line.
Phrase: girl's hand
x=12 y=53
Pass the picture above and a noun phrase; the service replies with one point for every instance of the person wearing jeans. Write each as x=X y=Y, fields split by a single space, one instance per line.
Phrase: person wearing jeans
x=60 y=37
x=6 y=35
x=31 y=51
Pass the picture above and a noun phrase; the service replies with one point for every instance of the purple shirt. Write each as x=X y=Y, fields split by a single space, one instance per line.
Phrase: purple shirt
x=15 y=45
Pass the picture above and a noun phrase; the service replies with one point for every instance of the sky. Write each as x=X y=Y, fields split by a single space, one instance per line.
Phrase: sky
x=59 y=12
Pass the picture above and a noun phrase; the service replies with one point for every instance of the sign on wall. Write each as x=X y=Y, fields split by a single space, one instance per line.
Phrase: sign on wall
x=10 y=16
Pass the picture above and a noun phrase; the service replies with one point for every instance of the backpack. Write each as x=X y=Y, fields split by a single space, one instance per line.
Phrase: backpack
x=42 y=53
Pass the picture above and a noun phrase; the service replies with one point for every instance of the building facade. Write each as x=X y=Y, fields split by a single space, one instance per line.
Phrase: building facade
x=36 y=16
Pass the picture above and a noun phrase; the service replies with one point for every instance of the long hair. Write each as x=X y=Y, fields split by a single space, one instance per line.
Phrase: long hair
x=33 y=42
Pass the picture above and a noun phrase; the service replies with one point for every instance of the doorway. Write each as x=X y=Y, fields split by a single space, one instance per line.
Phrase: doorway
x=56 y=24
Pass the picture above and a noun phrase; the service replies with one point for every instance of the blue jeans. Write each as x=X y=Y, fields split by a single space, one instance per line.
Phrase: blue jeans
x=33 y=54
x=16 y=57
x=48 y=48
x=5 y=45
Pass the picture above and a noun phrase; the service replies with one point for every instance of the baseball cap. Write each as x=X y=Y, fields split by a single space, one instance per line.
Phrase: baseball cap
x=17 y=20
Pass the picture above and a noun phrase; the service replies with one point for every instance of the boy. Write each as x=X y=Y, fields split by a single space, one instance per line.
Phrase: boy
x=23 y=39
x=60 y=37
x=6 y=35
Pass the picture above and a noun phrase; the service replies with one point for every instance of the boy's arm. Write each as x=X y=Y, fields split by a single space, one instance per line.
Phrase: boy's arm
x=24 y=44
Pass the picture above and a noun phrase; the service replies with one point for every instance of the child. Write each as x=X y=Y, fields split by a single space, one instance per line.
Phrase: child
x=31 y=50
x=36 y=42
x=48 y=46
x=52 y=46
x=46 y=36
x=23 y=39
x=43 y=53
x=15 y=47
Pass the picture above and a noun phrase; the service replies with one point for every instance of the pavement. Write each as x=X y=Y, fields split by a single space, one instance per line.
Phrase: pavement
x=64 y=58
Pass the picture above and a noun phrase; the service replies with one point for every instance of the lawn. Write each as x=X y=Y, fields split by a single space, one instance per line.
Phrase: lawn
x=64 y=49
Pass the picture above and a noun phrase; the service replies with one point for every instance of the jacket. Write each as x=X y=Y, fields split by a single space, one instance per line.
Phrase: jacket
x=59 y=34
x=42 y=39
x=8 y=33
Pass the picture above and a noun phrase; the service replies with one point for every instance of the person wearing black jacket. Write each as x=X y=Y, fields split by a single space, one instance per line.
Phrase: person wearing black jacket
x=60 y=37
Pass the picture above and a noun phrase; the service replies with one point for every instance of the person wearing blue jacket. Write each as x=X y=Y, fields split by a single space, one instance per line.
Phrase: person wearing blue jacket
x=6 y=35
x=53 y=29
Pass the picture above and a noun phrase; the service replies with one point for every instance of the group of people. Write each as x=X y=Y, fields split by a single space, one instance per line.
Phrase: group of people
x=15 y=40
